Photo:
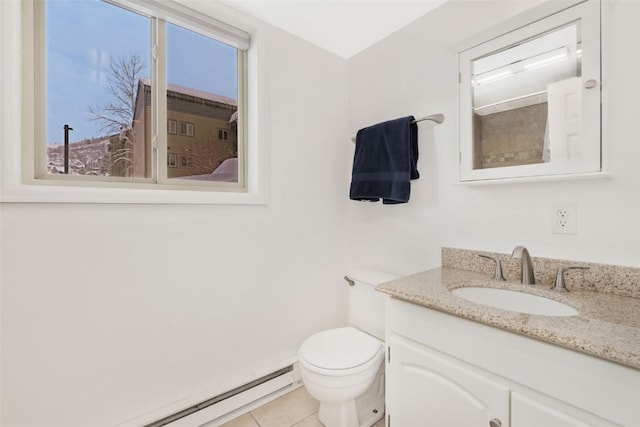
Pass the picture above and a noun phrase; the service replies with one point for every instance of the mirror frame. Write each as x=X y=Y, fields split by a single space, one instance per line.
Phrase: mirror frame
x=589 y=13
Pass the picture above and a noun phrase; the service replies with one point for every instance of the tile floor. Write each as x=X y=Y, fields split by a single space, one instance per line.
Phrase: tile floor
x=294 y=409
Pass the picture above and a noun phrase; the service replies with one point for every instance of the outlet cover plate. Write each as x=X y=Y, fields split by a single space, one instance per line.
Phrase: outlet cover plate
x=564 y=218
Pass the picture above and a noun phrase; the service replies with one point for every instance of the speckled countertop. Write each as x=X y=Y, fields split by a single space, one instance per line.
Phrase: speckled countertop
x=608 y=325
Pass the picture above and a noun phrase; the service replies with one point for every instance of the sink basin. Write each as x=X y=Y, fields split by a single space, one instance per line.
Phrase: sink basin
x=515 y=301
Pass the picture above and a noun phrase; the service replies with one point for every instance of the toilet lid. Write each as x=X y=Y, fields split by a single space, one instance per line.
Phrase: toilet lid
x=341 y=348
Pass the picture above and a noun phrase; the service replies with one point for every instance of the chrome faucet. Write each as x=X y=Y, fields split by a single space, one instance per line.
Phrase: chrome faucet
x=526 y=266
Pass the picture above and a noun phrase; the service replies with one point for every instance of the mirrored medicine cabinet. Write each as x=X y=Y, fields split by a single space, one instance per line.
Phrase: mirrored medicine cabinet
x=530 y=99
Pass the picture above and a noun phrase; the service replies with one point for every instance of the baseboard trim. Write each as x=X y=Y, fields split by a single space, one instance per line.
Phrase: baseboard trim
x=238 y=404
x=229 y=408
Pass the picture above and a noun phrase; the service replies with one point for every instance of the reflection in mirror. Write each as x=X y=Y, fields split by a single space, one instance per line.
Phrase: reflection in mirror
x=524 y=97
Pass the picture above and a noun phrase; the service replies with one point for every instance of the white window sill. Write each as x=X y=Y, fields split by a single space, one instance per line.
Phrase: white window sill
x=23 y=193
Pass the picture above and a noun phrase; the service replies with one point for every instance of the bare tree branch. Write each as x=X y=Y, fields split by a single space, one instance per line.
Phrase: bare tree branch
x=118 y=114
x=124 y=73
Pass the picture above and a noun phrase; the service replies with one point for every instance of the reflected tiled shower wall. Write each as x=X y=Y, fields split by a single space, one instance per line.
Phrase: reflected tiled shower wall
x=510 y=138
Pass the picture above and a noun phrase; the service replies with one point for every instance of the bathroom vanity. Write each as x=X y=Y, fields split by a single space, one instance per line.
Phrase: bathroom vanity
x=454 y=362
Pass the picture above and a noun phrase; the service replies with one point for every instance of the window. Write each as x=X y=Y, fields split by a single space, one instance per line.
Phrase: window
x=101 y=83
x=187 y=162
x=172 y=127
x=172 y=160
x=223 y=134
x=186 y=129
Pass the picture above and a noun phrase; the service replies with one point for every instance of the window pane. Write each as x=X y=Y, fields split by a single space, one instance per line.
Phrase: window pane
x=202 y=98
x=96 y=56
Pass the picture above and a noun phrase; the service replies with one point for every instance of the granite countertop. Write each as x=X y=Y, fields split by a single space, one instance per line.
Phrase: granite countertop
x=608 y=325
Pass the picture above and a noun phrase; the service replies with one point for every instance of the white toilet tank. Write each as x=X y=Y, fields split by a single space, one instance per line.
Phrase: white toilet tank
x=366 y=305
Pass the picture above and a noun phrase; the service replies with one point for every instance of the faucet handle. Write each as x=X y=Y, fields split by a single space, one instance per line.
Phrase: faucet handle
x=560 y=285
x=498 y=274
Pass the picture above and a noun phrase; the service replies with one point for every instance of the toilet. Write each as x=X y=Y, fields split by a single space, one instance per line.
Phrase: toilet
x=343 y=368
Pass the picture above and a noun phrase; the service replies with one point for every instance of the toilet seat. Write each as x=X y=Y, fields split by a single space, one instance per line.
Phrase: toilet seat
x=340 y=351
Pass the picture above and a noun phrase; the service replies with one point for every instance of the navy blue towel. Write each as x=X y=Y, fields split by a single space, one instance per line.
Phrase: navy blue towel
x=385 y=161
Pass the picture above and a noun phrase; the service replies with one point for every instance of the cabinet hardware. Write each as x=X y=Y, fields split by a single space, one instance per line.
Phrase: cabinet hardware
x=495 y=423
x=591 y=83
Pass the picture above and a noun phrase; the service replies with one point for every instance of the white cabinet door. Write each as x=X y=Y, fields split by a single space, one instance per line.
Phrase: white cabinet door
x=425 y=388
x=528 y=412
x=568 y=150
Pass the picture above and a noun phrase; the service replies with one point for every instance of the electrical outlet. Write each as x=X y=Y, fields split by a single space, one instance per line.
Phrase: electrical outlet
x=564 y=219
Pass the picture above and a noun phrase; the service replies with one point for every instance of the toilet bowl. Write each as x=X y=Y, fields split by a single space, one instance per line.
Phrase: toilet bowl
x=343 y=368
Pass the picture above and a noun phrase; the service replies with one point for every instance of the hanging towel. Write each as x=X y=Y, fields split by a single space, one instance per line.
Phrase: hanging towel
x=385 y=161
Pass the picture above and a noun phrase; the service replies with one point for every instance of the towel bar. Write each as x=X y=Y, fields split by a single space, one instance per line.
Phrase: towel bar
x=438 y=118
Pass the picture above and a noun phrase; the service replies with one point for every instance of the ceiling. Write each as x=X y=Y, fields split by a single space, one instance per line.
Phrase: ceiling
x=344 y=27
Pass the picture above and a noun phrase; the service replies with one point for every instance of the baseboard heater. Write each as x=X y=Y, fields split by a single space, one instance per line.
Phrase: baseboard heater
x=285 y=374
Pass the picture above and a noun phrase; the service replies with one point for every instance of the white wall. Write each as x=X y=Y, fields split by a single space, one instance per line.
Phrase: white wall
x=110 y=312
x=414 y=72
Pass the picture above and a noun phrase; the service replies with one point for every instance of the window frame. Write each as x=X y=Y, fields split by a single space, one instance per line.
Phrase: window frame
x=19 y=86
x=224 y=133
x=169 y=127
x=186 y=161
x=189 y=129
x=172 y=160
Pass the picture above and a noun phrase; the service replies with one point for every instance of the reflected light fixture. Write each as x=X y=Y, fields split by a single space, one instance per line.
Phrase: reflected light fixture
x=493 y=77
x=549 y=58
x=538 y=61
